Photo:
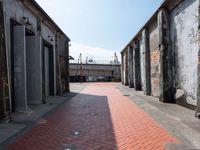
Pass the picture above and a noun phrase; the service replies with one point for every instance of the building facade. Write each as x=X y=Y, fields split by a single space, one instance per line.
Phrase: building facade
x=163 y=59
x=34 y=57
x=94 y=72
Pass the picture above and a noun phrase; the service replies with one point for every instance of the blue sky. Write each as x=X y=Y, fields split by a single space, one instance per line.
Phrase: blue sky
x=97 y=27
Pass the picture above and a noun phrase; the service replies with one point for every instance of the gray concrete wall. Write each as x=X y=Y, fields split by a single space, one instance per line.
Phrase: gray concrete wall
x=15 y=10
x=153 y=36
x=48 y=34
x=91 y=69
x=154 y=58
x=75 y=72
x=34 y=69
x=40 y=26
x=174 y=52
x=184 y=37
x=142 y=64
x=4 y=99
x=61 y=69
x=124 y=66
x=130 y=67
x=20 y=78
x=146 y=46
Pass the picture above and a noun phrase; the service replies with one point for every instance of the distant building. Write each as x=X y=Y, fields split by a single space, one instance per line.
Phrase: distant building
x=93 y=71
x=33 y=56
x=163 y=59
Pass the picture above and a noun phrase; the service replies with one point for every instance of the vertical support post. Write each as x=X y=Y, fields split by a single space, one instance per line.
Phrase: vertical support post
x=67 y=65
x=122 y=67
x=126 y=68
x=20 y=69
x=166 y=72
x=197 y=112
x=130 y=67
x=4 y=94
x=136 y=62
x=145 y=37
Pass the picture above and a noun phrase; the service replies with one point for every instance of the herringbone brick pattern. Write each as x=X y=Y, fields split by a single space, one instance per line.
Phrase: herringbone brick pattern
x=100 y=118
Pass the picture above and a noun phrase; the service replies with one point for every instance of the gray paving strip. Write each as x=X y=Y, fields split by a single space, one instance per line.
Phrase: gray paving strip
x=179 y=121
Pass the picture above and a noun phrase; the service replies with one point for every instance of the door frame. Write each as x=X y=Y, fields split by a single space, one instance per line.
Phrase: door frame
x=28 y=32
x=51 y=68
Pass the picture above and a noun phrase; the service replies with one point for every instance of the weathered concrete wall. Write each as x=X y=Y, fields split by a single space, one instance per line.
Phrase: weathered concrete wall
x=174 y=54
x=122 y=68
x=137 y=68
x=130 y=67
x=155 y=58
x=153 y=36
x=34 y=69
x=92 y=69
x=106 y=73
x=166 y=64
x=62 y=85
x=197 y=113
x=41 y=27
x=142 y=64
x=125 y=58
x=48 y=34
x=4 y=100
x=146 y=49
x=20 y=69
x=184 y=37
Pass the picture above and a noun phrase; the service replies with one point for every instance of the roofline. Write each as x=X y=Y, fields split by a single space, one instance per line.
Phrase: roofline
x=48 y=17
x=149 y=20
x=96 y=64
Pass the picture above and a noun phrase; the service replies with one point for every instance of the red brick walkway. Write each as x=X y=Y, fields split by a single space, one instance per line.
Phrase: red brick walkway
x=100 y=118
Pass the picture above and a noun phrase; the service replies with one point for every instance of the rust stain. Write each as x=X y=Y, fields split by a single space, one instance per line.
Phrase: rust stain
x=155 y=57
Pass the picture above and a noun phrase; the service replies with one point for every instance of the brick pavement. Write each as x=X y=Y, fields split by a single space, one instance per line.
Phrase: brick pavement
x=99 y=118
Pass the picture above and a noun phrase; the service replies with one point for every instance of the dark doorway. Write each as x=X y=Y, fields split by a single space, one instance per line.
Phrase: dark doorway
x=48 y=69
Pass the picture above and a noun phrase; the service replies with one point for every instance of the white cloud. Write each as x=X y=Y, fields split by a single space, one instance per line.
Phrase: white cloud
x=95 y=53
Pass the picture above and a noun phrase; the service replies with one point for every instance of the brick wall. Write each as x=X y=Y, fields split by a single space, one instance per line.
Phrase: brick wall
x=154 y=59
x=155 y=72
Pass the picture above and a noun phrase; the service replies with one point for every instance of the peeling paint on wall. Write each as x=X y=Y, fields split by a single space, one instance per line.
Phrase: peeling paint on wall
x=142 y=64
x=155 y=72
x=184 y=37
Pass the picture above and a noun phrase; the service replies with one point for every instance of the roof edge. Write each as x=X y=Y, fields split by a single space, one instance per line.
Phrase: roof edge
x=48 y=17
x=149 y=20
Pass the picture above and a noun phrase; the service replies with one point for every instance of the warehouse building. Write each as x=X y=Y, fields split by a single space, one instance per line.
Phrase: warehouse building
x=94 y=72
x=163 y=59
x=33 y=57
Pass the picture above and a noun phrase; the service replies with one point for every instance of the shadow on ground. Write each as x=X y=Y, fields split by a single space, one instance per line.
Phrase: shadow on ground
x=83 y=123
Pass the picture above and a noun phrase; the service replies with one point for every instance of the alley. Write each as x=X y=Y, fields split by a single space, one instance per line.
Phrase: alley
x=100 y=117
